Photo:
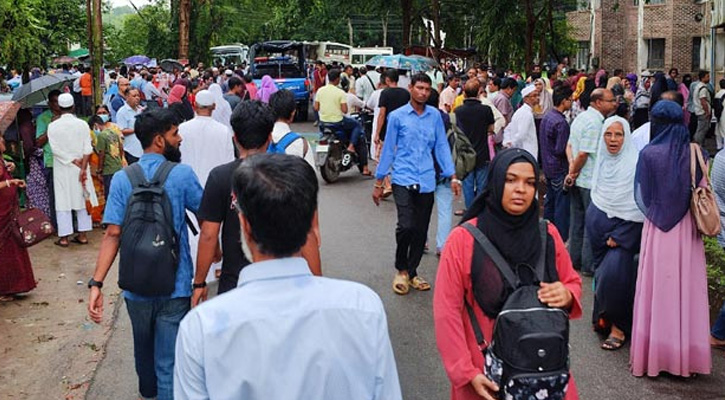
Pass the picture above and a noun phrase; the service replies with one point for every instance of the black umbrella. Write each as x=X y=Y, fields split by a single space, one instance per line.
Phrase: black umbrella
x=36 y=91
x=169 y=64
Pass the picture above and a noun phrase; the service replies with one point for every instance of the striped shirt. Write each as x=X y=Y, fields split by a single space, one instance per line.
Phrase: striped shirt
x=718 y=186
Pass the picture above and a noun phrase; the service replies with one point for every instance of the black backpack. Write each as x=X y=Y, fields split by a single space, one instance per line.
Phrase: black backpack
x=149 y=246
x=530 y=348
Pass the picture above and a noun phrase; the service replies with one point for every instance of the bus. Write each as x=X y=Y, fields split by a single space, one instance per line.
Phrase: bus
x=328 y=52
x=231 y=54
x=360 y=55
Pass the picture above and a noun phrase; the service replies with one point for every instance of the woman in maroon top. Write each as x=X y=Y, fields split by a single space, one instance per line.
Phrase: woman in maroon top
x=507 y=213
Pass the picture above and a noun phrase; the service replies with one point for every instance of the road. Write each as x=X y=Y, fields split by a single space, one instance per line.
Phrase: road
x=358 y=244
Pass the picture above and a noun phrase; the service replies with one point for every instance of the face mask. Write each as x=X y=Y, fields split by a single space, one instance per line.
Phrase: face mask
x=97 y=131
x=104 y=117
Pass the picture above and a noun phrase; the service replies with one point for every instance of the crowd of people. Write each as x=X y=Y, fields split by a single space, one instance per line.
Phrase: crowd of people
x=594 y=149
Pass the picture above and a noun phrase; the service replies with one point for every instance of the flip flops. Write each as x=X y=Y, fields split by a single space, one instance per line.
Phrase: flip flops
x=419 y=283
x=400 y=285
x=61 y=242
x=612 y=343
x=77 y=240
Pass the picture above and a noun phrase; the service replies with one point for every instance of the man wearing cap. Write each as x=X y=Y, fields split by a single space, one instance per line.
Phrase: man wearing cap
x=70 y=142
x=206 y=145
x=521 y=132
x=224 y=80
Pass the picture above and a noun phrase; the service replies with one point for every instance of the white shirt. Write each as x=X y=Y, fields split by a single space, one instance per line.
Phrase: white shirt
x=353 y=104
x=70 y=139
x=521 y=132
x=641 y=136
x=286 y=334
x=126 y=119
x=205 y=144
x=365 y=86
x=497 y=116
x=296 y=148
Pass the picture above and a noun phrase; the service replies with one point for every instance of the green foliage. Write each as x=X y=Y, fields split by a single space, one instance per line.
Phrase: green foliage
x=715 y=258
x=33 y=30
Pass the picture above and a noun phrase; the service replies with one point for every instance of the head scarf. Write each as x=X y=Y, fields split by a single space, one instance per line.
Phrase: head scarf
x=546 y=100
x=658 y=87
x=222 y=111
x=632 y=78
x=613 y=179
x=580 y=85
x=598 y=77
x=516 y=237
x=176 y=94
x=662 y=182
x=641 y=99
x=585 y=97
x=614 y=81
x=267 y=88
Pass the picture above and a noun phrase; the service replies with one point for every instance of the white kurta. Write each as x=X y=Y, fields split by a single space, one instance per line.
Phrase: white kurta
x=205 y=145
x=521 y=132
x=70 y=139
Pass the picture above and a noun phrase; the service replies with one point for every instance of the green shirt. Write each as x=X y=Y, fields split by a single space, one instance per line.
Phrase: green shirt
x=41 y=129
x=108 y=142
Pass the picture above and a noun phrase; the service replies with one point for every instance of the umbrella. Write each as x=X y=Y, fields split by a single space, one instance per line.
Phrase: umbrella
x=37 y=90
x=169 y=64
x=8 y=111
x=136 y=60
x=399 y=61
x=64 y=60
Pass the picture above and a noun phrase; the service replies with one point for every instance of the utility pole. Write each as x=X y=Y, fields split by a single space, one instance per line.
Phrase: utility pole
x=641 y=60
x=592 y=32
x=97 y=52
x=349 y=30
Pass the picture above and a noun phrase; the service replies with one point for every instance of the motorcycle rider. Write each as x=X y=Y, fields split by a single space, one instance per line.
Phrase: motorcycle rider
x=331 y=104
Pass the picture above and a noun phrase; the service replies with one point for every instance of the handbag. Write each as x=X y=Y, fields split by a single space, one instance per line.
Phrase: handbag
x=31 y=226
x=702 y=204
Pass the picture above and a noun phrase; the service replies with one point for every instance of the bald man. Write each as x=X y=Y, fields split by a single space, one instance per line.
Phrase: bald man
x=120 y=99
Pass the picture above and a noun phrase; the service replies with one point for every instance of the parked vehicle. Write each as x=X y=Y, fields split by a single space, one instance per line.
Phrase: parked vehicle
x=360 y=55
x=284 y=61
x=232 y=54
x=328 y=52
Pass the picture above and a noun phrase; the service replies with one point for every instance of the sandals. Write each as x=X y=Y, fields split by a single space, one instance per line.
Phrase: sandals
x=7 y=299
x=62 y=242
x=612 y=343
x=400 y=285
x=77 y=239
x=419 y=283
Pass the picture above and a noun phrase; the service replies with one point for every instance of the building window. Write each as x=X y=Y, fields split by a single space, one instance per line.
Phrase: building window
x=582 y=55
x=636 y=2
x=655 y=53
x=696 y=49
x=584 y=5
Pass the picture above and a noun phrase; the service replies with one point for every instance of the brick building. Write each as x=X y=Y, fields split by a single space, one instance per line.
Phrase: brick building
x=676 y=33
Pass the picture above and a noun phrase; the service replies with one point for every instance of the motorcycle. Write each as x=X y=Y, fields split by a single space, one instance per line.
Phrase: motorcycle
x=331 y=154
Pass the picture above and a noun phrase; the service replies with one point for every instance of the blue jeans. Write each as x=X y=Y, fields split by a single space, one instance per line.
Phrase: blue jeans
x=474 y=183
x=579 y=247
x=718 y=330
x=444 y=205
x=352 y=128
x=557 y=205
x=155 y=324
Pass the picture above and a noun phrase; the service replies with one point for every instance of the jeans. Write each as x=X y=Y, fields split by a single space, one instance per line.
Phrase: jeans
x=703 y=125
x=414 y=210
x=444 y=204
x=579 y=247
x=474 y=183
x=155 y=324
x=107 y=184
x=718 y=330
x=557 y=205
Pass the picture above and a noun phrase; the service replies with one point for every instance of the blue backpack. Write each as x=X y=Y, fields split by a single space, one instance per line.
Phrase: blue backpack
x=281 y=146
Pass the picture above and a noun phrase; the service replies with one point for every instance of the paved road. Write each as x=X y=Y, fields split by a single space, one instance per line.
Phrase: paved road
x=358 y=244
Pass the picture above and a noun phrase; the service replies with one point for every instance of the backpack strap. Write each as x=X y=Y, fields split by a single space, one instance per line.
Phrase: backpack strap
x=480 y=340
x=163 y=172
x=287 y=140
x=135 y=175
x=492 y=252
x=541 y=262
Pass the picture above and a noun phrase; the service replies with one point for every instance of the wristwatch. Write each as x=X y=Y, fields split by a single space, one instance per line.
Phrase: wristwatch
x=92 y=282
x=198 y=285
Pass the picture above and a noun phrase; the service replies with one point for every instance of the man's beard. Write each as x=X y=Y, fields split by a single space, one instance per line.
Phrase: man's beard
x=172 y=153
x=245 y=247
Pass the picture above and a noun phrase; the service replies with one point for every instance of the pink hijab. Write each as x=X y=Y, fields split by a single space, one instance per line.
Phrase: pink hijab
x=177 y=94
x=267 y=88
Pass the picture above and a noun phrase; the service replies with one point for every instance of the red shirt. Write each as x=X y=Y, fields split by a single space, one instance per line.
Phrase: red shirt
x=319 y=79
x=457 y=345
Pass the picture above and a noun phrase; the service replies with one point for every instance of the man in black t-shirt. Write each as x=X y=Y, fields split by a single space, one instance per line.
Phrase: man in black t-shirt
x=392 y=98
x=252 y=122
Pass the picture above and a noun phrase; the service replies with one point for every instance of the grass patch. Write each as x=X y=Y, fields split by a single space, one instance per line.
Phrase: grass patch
x=715 y=259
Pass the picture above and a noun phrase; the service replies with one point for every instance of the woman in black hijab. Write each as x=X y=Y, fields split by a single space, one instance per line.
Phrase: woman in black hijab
x=508 y=214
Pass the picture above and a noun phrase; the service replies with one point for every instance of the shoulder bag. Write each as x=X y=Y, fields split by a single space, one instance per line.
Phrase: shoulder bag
x=702 y=204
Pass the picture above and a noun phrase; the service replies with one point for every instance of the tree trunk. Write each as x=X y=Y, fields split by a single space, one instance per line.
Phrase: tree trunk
x=407 y=13
x=436 y=11
x=97 y=60
x=385 y=28
x=530 y=28
x=184 y=14
x=349 y=30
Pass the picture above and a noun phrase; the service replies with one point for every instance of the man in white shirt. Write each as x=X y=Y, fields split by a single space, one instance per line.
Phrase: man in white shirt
x=367 y=82
x=521 y=132
x=70 y=143
x=206 y=144
x=284 y=333
x=448 y=95
x=126 y=120
x=283 y=105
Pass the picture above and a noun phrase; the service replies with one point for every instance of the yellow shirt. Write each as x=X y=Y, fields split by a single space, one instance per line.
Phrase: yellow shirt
x=330 y=98
x=457 y=102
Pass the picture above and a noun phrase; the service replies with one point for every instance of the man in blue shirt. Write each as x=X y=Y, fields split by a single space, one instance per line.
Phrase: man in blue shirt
x=284 y=333
x=155 y=320
x=553 y=138
x=415 y=134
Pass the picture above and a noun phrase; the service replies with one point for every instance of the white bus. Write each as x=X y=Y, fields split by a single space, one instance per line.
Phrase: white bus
x=360 y=55
x=231 y=54
x=328 y=52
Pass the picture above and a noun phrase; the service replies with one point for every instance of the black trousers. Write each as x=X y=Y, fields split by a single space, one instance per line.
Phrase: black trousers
x=130 y=159
x=414 y=211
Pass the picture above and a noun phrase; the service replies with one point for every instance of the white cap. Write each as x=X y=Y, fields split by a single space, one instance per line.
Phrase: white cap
x=204 y=98
x=65 y=100
x=228 y=72
x=646 y=74
x=215 y=69
x=527 y=90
